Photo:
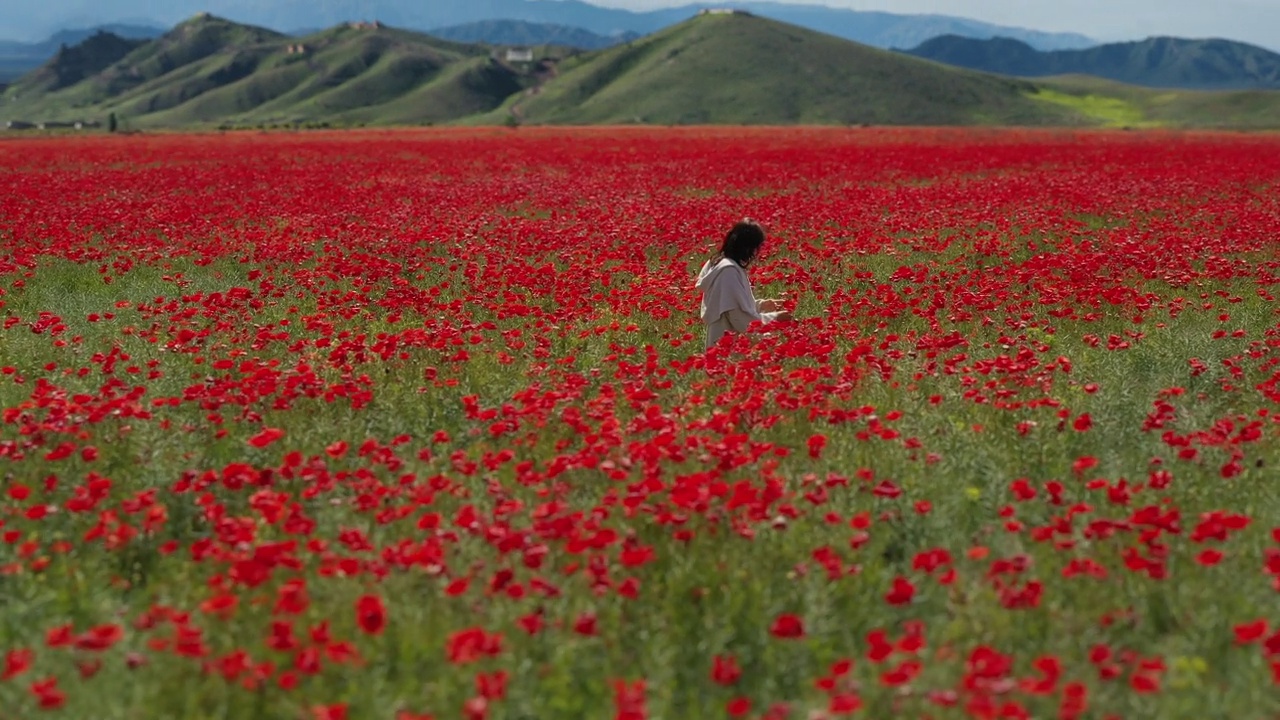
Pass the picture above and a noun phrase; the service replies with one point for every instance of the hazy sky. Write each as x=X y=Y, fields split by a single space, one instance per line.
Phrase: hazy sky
x=1250 y=20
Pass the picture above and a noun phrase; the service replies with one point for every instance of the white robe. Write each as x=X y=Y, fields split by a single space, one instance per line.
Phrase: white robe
x=728 y=305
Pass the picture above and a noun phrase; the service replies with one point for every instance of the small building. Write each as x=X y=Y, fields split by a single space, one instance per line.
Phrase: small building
x=722 y=11
x=519 y=55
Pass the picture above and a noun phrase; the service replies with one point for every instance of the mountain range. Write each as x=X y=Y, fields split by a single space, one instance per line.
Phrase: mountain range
x=1159 y=62
x=879 y=29
x=210 y=72
x=525 y=33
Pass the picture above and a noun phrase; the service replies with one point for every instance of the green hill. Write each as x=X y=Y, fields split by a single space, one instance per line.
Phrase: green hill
x=744 y=69
x=714 y=68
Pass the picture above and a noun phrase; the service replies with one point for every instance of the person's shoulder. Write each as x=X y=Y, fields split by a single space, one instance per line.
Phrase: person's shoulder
x=716 y=266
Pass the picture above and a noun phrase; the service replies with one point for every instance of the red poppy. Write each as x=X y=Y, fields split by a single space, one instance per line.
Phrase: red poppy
x=901 y=593
x=788 y=627
x=725 y=670
x=371 y=615
x=265 y=437
x=100 y=637
x=48 y=696
x=17 y=662
x=1251 y=632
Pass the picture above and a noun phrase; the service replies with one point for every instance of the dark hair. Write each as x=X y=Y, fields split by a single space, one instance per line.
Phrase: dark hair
x=742 y=242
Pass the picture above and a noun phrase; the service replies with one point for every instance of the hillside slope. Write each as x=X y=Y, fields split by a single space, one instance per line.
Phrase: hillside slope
x=746 y=69
x=1156 y=62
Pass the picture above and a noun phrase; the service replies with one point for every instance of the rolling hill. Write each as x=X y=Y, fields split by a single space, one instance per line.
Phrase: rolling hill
x=714 y=68
x=1156 y=62
x=521 y=32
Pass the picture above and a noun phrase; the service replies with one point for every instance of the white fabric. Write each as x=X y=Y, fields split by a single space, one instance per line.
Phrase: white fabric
x=728 y=305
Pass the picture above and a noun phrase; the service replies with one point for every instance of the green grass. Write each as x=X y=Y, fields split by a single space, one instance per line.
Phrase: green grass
x=1114 y=104
x=1102 y=110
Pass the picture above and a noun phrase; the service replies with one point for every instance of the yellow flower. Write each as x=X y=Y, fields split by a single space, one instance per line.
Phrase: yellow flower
x=1186 y=671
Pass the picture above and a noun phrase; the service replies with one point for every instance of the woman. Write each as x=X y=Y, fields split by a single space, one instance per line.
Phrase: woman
x=728 y=305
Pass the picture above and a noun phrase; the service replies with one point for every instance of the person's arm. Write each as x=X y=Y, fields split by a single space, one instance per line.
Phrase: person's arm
x=772 y=305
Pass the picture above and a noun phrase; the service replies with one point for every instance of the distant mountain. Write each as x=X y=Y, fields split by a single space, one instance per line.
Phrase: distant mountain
x=19 y=58
x=523 y=33
x=126 y=31
x=893 y=30
x=210 y=72
x=1160 y=62
x=879 y=29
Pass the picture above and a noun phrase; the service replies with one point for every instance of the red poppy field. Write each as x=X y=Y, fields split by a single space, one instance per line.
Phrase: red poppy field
x=418 y=424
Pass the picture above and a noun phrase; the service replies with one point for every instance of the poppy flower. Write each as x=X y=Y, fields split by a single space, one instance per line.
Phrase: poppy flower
x=265 y=437
x=901 y=592
x=371 y=615
x=787 y=627
x=17 y=662
x=725 y=670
